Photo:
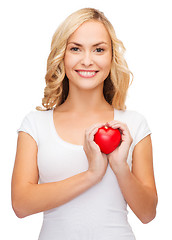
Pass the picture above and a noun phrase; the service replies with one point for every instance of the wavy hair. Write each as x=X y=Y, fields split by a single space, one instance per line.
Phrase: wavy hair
x=57 y=84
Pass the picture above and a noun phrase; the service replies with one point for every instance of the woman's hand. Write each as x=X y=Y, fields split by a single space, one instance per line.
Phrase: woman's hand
x=118 y=158
x=97 y=160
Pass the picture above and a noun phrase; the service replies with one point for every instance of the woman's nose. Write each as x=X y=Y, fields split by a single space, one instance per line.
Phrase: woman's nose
x=87 y=59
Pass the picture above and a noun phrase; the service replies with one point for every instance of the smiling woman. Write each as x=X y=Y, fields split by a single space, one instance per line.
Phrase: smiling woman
x=87 y=57
x=59 y=168
x=57 y=86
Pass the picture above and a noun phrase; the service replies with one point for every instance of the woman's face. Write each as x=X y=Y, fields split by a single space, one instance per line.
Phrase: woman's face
x=88 y=55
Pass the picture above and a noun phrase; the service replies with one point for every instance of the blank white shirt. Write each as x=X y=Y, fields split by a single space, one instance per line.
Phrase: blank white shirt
x=100 y=213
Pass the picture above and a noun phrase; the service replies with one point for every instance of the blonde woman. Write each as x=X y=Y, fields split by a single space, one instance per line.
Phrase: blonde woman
x=83 y=192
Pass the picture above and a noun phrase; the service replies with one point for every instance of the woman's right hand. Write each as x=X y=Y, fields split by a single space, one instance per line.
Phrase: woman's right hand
x=96 y=159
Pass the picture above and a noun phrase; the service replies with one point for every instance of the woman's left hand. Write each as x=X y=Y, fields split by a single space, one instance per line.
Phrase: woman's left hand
x=118 y=158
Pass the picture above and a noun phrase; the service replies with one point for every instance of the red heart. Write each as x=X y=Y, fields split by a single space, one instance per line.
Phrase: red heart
x=108 y=139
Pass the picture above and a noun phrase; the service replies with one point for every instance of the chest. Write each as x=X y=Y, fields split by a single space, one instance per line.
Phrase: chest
x=72 y=128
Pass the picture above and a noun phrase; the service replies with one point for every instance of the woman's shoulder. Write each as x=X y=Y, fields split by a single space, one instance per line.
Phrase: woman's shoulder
x=129 y=115
x=37 y=113
x=36 y=117
x=136 y=123
x=34 y=122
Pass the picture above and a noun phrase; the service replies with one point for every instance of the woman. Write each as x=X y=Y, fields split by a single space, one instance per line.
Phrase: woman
x=83 y=192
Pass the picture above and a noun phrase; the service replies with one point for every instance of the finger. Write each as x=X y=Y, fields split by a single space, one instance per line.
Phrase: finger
x=93 y=132
x=90 y=137
x=90 y=140
x=90 y=129
x=120 y=125
x=123 y=128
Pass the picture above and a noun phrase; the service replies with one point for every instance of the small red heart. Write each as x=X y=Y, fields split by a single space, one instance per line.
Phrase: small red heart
x=108 y=139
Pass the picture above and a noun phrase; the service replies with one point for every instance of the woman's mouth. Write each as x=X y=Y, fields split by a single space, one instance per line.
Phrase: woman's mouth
x=86 y=74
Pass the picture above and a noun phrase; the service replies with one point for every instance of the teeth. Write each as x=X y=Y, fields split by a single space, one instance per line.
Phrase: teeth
x=85 y=74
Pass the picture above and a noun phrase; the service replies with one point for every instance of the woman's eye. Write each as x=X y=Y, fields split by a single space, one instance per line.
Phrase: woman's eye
x=74 y=49
x=99 y=50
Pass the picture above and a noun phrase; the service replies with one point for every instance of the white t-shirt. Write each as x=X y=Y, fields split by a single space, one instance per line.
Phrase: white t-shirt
x=100 y=213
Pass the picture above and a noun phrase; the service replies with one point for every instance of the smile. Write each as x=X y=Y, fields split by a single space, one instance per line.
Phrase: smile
x=86 y=74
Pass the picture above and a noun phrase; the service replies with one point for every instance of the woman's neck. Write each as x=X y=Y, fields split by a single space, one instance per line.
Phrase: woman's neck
x=86 y=101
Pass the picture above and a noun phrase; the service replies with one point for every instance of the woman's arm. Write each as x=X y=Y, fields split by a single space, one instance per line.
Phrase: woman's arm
x=29 y=197
x=138 y=187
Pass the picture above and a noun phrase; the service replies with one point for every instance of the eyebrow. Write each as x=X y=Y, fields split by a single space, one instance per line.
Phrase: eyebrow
x=80 y=45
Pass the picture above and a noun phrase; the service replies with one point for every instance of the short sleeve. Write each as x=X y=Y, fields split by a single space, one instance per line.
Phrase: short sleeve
x=142 y=130
x=28 y=125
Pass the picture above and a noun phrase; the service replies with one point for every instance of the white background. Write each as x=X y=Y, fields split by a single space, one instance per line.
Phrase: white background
x=26 y=31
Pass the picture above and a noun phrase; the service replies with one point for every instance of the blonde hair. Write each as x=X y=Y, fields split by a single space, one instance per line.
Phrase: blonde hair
x=57 y=85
